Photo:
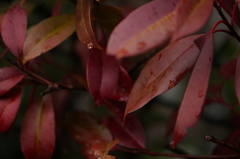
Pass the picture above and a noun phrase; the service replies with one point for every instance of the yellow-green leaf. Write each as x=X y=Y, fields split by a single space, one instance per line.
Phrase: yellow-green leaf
x=47 y=34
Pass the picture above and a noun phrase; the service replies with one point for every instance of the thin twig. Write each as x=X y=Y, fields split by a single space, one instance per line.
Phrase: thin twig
x=51 y=86
x=222 y=143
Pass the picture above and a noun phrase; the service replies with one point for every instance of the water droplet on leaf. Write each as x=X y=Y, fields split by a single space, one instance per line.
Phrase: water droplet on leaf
x=90 y=45
x=200 y=93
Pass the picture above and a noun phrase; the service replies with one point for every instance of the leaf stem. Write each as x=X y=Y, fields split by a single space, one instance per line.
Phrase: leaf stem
x=233 y=13
x=144 y=151
x=230 y=27
x=51 y=86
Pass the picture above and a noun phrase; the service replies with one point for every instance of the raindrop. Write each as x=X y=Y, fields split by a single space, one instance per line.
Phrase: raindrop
x=200 y=93
x=90 y=45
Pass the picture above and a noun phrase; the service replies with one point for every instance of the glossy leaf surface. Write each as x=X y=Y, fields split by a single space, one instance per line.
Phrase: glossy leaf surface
x=84 y=27
x=144 y=29
x=194 y=96
x=191 y=15
x=14 y=26
x=38 y=130
x=9 y=104
x=172 y=64
x=47 y=34
x=9 y=77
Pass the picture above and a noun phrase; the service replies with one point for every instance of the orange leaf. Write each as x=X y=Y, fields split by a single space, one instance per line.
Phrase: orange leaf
x=47 y=34
x=172 y=64
x=101 y=149
x=191 y=15
x=144 y=29
x=84 y=28
x=85 y=129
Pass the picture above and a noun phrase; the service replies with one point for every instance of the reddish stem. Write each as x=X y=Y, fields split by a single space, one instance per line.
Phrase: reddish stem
x=144 y=151
x=233 y=13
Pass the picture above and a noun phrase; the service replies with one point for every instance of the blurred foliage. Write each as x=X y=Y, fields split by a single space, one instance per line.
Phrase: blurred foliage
x=154 y=116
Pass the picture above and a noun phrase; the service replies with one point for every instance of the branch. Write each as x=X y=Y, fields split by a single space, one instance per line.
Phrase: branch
x=51 y=86
x=144 y=151
x=230 y=27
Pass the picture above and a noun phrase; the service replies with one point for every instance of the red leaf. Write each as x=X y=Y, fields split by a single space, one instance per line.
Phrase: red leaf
x=163 y=72
x=38 y=130
x=124 y=86
x=130 y=134
x=9 y=104
x=237 y=79
x=194 y=96
x=14 y=25
x=9 y=77
x=110 y=76
x=144 y=29
x=84 y=28
x=94 y=74
x=228 y=69
x=191 y=15
x=106 y=78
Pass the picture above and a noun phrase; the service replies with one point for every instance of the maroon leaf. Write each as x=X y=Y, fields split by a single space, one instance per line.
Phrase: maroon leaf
x=94 y=73
x=14 y=25
x=124 y=86
x=194 y=96
x=9 y=104
x=9 y=77
x=237 y=79
x=130 y=134
x=110 y=76
x=172 y=64
x=144 y=29
x=106 y=78
x=38 y=130
x=191 y=15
